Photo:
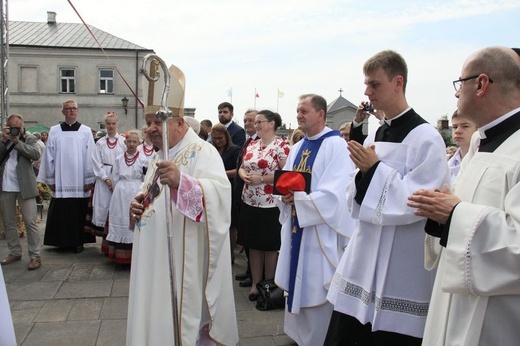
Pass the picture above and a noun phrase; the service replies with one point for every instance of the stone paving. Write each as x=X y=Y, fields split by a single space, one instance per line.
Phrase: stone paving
x=81 y=299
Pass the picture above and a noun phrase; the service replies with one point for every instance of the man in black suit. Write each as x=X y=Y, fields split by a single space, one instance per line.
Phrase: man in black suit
x=225 y=116
x=249 y=125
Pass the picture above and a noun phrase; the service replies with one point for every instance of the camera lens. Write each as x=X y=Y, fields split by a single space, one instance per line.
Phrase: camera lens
x=14 y=131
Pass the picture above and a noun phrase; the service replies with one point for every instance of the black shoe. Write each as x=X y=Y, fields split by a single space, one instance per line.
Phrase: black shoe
x=246 y=283
x=243 y=276
x=78 y=249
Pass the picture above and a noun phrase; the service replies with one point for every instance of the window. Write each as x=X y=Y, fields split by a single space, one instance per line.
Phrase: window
x=106 y=81
x=67 y=80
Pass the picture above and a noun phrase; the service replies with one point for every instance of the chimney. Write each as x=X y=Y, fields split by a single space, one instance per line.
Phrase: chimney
x=51 y=17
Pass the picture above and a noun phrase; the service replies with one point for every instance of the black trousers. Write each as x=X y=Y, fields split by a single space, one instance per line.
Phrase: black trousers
x=346 y=330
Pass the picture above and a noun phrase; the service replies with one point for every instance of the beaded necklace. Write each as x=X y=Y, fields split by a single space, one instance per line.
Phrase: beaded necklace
x=131 y=160
x=147 y=152
x=111 y=145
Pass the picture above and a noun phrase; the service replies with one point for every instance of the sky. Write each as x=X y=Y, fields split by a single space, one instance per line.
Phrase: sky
x=297 y=46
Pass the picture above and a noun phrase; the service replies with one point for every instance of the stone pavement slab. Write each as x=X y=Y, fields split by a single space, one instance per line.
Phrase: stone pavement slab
x=86 y=309
x=84 y=289
x=77 y=333
x=112 y=333
x=54 y=311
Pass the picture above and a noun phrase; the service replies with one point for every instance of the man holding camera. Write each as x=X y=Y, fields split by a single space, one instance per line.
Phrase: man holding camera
x=18 y=149
x=381 y=290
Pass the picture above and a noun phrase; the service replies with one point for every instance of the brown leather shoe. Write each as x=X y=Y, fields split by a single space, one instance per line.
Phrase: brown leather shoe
x=10 y=259
x=35 y=263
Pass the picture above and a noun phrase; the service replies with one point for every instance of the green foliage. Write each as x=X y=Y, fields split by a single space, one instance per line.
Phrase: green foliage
x=446 y=136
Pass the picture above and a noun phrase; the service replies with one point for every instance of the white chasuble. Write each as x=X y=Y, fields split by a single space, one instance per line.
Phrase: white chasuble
x=201 y=255
x=381 y=278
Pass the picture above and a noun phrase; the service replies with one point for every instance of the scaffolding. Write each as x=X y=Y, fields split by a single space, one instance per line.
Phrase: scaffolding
x=4 y=82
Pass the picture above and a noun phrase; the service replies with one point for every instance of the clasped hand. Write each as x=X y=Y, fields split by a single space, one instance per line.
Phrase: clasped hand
x=434 y=204
x=363 y=158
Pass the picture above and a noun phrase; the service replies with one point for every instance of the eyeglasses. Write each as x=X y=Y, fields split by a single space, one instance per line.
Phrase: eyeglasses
x=457 y=84
x=258 y=122
x=70 y=109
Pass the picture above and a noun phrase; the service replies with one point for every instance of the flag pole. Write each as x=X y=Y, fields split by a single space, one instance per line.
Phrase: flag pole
x=277 y=99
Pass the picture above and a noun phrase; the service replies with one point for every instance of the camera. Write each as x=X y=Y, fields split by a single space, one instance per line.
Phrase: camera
x=14 y=131
x=368 y=107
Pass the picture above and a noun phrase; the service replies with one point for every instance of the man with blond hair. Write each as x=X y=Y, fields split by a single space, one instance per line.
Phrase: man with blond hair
x=67 y=169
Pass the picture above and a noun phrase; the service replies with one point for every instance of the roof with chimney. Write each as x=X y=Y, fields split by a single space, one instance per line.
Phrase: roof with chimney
x=64 y=35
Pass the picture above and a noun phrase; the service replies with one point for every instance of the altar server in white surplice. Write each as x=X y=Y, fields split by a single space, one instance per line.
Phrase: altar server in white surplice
x=476 y=297
x=381 y=290
x=200 y=198
x=67 y=168
x=315 y=226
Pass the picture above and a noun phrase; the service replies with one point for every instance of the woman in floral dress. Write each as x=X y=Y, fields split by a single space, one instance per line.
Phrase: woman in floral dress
x=259 y=212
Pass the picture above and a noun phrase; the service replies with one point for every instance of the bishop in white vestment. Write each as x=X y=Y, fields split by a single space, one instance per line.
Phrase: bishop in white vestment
x=201 y=206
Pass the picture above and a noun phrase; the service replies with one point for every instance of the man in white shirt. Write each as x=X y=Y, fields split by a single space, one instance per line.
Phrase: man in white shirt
x=18 y=183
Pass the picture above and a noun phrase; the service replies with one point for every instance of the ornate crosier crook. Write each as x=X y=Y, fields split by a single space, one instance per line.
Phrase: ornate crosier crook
x=164 y=114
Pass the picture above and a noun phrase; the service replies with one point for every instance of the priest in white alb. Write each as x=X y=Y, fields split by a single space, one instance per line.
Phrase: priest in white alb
x=315 y=225
x=476 y=297
x=201 y=208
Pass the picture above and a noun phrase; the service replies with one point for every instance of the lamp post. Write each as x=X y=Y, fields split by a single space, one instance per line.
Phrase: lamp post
x=125 y=104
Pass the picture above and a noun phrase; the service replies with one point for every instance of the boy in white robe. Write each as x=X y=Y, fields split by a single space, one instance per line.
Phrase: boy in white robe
x=381 y=289
x=461 y=130
x=476 y=297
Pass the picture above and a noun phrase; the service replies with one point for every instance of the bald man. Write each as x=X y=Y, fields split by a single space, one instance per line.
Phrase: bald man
x=476 y=296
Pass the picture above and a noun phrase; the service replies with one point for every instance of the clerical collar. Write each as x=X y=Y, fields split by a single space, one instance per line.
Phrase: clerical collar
x=389 y=121
x=324 y=131
x=482 y=130
x=66 y=127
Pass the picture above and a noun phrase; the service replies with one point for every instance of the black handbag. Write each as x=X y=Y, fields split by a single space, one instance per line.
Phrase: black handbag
x=270 y=296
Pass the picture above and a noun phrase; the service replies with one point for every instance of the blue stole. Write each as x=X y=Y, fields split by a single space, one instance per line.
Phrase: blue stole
x=303 y=163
